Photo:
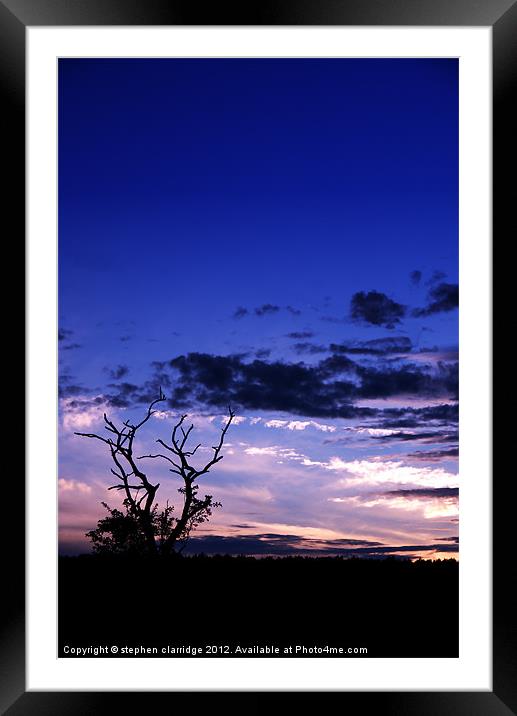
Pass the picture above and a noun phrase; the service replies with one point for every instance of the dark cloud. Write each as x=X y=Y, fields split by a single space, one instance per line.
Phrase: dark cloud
x=300 y=335
x=280 y=544
x=124 y=339
x=376 y=309
x=377 y=346
x=436 y=277
x=263 y=353
x=70 y=390
x=68 y=386
x=70 y=347
x=66 y=378
x=435 y=455
x=128 y=395
x=326 y=389
x=64 y=334
x=406 y=437
x=425 y=492
x=329 y=388
x=449 y=438
x=85 y=403
x=424 y=437
x=449 y=539
x=290 y=387
x=118 y=372
x=437 y=415
x=441 y=298
x=408 y=380
x=335 y=366
x=240 y=312
x=310 y=348
x=290 y=545
x=344 y=542
x=415 y=277
x=400 y=423
x=126 y=389
x=266 y=309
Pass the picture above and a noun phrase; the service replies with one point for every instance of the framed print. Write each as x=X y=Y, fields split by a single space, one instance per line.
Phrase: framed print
x=259 y=364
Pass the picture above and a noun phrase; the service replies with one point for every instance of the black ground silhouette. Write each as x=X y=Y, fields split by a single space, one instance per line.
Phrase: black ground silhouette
x=393 y=607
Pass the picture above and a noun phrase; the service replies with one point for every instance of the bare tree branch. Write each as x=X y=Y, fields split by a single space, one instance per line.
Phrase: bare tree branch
x=121 y=450
x=141 y=507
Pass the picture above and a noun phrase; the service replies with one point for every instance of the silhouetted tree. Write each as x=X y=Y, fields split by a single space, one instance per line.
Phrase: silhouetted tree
x=143 y=527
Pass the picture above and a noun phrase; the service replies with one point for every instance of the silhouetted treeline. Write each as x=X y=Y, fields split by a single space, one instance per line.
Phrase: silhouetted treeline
x=394 y=607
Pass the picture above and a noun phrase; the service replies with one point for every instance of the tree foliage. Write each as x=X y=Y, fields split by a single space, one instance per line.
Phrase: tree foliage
x=120 y=531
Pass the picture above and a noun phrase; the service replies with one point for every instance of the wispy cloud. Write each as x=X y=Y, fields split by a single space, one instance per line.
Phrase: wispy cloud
x=82 y=411
x=300 y=425
x=432 y=503
x=73 y=486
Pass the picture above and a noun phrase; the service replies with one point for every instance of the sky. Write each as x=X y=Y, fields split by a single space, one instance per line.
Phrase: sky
x=280 y=235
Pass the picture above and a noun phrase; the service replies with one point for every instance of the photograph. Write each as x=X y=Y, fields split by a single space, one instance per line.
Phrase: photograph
x=258 y=250
x=258 y=353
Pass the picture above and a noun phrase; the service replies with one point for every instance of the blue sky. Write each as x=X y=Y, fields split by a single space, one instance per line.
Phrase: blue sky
x=237 y=230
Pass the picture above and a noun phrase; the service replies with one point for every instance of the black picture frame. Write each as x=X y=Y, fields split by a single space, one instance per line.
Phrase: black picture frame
x=501 y=15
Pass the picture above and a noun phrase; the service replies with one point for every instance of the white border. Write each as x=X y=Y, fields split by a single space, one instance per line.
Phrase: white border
x=472 y=671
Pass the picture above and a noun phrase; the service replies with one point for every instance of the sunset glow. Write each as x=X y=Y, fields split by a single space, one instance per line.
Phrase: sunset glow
x=280 y=236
